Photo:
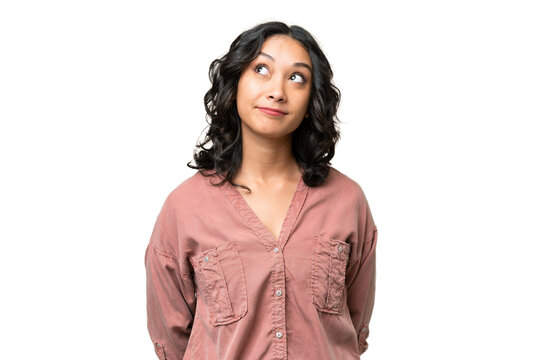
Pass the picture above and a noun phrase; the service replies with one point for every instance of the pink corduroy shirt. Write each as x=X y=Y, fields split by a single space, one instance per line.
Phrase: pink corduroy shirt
x=219 y=285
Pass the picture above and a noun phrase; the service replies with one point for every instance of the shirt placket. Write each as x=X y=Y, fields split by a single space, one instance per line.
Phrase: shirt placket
x=278 y=305
x=275 y=250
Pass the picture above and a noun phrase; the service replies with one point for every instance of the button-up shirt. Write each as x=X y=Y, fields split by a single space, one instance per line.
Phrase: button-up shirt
x=220 y=286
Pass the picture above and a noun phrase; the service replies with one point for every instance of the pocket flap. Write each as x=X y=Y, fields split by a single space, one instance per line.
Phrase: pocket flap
x=330 y=259
x=220 y=274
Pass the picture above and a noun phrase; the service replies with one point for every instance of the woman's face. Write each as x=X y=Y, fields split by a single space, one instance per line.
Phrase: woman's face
x=280 y=78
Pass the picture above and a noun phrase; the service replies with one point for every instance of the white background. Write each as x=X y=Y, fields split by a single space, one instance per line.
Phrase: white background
x=101 y=104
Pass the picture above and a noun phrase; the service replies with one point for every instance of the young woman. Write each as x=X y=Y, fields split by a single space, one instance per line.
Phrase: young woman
x=267 y=252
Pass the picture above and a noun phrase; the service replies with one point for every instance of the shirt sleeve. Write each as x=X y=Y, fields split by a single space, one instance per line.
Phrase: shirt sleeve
x=361 y=288
x=170 y=291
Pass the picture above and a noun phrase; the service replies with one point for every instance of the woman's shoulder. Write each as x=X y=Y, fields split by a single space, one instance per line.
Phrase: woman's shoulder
x=344 y=184
x=351 y=193
x=192 y=190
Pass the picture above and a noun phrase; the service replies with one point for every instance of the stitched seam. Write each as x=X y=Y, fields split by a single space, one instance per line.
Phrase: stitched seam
x=365 y=242
x=244 y=287
x=352 y=265
x=211 y=307
x=228 y=303
x=339 y=291
x=169 y=255
x=370 y=239
x=328 y=283
x=342 y=274
x=165 y=253
x=314 y=273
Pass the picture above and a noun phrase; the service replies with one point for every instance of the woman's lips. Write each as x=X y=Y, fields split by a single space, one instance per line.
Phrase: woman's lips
x=272 y=112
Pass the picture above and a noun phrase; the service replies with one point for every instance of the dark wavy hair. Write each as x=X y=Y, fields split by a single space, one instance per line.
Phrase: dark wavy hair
x=313 y=142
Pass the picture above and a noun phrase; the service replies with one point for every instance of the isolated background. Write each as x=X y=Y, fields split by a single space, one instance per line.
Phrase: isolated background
x=101 y=104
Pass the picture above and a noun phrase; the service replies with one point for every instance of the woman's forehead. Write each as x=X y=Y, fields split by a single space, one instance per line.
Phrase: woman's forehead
x=284 y=48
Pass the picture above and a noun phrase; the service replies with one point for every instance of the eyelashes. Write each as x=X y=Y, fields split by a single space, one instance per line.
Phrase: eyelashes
x=259 y=67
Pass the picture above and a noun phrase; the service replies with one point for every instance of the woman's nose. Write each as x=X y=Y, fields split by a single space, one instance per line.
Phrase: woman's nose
x=276 y=90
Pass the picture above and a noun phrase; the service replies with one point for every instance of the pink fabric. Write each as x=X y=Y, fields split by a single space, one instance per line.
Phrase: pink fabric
x=220 y=287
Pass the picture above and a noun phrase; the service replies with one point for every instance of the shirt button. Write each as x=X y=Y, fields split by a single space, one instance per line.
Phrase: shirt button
x=276 y=249
x=364 y=329
x=278 y=293
x=206 y=258
x=340 y=248
x=279 y=335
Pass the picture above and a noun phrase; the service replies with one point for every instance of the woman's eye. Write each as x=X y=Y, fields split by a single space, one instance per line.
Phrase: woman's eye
x=259 y=68
x=263 y=70
x=298 y=78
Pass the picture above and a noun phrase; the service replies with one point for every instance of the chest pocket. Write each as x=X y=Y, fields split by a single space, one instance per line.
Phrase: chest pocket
x=329 y=263
x=220 y=274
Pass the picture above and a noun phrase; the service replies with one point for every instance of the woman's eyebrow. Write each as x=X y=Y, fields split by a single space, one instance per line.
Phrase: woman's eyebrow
x=297 y=64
